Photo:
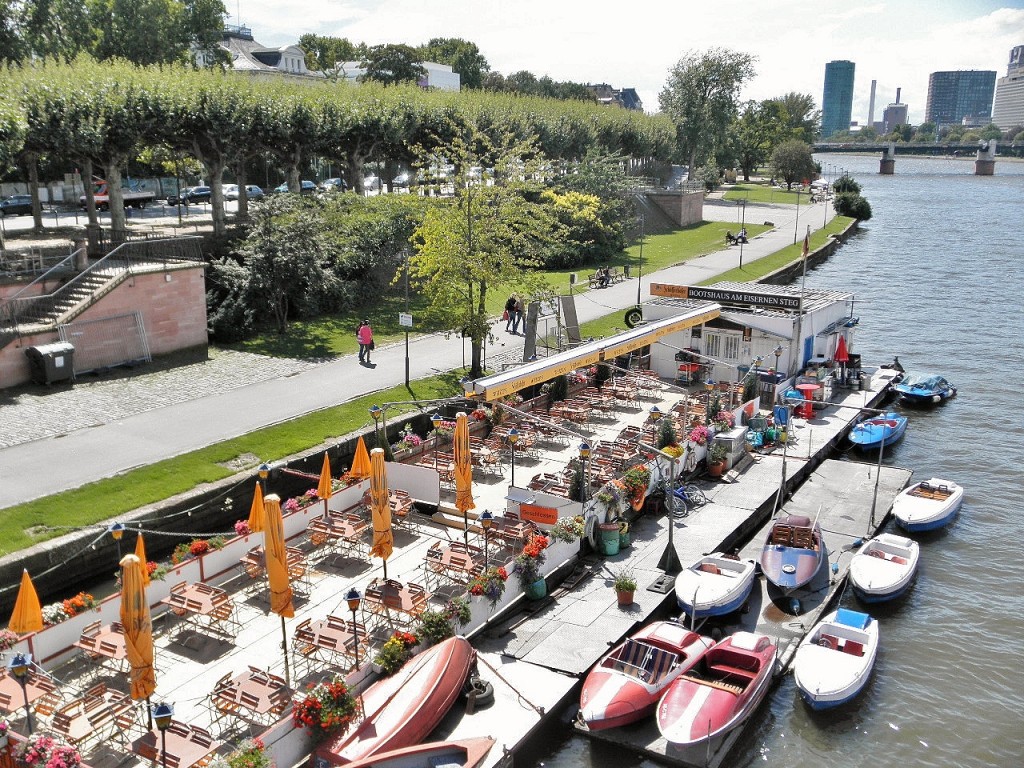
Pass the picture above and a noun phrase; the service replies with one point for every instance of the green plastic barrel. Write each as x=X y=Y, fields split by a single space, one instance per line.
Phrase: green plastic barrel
x=610 y=538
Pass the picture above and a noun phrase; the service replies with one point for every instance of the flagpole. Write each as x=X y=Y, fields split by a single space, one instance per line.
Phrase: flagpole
x=798 y=341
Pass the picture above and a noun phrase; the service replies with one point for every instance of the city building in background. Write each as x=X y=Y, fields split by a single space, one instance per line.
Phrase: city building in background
x=1008 y=107
x=837 y=101
x=627 y=98
x=894 y=114
x=962 y=97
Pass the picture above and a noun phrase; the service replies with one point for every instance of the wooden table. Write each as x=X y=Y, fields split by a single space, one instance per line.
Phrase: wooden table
x=255 y=696
x=37 y=686
x=340 y=531
x=328 y=641
x=391 y=602
x=104 y=645
x=187 y=746
x=100 y=713
x=511 y=532
x=254 y=564
x=207 y=608
x=455 y=561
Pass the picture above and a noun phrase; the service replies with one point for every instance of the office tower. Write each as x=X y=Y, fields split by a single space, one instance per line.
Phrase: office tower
x=960 y=97
x=894 y=114
x=837 y=101
x=1008 y=107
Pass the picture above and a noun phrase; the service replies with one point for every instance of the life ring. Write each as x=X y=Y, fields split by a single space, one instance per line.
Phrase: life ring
x=590 y=531
x=479 y=691
x=633 y=317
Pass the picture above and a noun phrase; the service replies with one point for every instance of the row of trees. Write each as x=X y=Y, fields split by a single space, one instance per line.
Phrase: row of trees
x=926 y=133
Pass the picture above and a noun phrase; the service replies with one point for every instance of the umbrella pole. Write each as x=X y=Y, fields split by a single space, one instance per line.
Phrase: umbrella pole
x=385 y=569
x=284 y=648
x=149 y=713
x=465 y=527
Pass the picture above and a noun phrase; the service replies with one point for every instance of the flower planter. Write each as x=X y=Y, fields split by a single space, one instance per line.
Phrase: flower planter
x=624 y=598
x=537 y=591
x=609 y=538
x=717 y=469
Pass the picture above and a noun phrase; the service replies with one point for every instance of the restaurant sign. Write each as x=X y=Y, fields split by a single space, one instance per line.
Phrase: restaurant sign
x=538 y=514
x=725 y=296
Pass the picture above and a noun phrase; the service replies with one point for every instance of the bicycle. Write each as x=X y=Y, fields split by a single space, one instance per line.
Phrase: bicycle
x=685 y=497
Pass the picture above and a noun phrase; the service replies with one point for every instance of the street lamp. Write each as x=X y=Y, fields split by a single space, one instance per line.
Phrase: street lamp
x=585 y=458
x=709 y=387
x=19 y=667
x=486 y=520
x=796 y=224
x=513 y=438
x=264 y=470
x=353 y=598
x=163 y=713
x=743 y=226
x=669 y=562
x=116 y=531
x=640 y=267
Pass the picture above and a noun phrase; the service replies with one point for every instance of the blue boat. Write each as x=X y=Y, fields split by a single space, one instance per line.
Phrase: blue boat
x=924 y=389
x=872 y=434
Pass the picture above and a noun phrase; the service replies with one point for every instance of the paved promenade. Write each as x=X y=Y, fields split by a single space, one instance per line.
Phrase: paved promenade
x=55 y=441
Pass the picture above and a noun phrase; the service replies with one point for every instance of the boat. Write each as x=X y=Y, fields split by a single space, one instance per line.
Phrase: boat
x=927 y=505
x=924 y=389
x=833 y=662
x=793 y=552
x=873 y=433
x=715 y=585
x=401 y=710
x=626 y=684
x=464 y=753
x=884 y=568
x=719 y=692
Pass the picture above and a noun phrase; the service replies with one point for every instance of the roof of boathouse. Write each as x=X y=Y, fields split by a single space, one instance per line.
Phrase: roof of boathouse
x=813 y=298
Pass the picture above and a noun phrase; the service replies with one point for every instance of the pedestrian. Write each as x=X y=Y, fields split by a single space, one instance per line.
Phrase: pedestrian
x=364 y=335
x=518 y=317
x=510 y=308
x=606 y=276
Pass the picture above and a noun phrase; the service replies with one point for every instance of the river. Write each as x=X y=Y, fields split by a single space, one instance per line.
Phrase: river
x=938 y=274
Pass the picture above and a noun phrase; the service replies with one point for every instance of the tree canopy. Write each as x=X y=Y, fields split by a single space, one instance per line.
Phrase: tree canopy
x=461 y=55
x=392 y=64
x=792 y=162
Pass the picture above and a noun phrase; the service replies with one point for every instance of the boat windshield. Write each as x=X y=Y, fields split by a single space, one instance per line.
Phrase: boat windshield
x=923 y=381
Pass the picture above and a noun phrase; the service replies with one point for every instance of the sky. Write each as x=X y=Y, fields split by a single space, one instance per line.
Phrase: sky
x=898 y=43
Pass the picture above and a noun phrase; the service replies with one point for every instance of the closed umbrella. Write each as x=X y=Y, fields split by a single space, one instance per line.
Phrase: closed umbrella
x=257 y=514
x=383 y=538
x=842 y=356
x=361 y=461
x=28 y=613
x=324 y=489
x=140 y=552
x=275 y=554
x=463 y=472
x=138 y=628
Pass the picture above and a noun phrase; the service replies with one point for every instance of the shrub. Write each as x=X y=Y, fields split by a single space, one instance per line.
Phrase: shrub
x=853 y=205
x=624 y=580
x=434 y=626
x=666 y=433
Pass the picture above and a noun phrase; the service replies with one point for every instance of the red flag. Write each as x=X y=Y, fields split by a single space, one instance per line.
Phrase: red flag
x=807 y=244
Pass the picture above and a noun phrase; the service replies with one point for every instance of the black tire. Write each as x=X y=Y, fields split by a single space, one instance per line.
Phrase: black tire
x=479 y=690
x=634 y=317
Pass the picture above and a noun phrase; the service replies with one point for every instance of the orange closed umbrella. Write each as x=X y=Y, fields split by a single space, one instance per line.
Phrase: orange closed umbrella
x=138 y=628
x=383 y=538
x=463 y=472
x=361 y=461
x=275 y=554
x=325 y=487
x=28 y=613
x=256 y=511
x=140 y=552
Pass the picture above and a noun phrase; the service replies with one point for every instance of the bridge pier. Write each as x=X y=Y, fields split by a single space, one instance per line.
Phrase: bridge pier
x=985 y=163
x=887 y=165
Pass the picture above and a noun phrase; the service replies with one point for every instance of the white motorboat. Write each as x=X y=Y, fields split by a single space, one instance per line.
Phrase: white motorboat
x=834 y=661
x=884 y=568
x=715 y=585
x=927 y=505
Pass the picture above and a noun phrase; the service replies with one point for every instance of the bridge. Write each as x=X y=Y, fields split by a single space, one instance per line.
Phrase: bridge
x=984 y=152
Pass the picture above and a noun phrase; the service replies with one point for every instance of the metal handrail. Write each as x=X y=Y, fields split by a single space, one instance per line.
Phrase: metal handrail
x=59 y=266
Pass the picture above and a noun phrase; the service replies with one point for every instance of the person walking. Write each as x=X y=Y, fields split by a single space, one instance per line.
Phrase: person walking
x=510 y=311
x=364 y=335
x=518 y=317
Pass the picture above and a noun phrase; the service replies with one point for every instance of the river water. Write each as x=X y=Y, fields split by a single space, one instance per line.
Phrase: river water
x=938 y=274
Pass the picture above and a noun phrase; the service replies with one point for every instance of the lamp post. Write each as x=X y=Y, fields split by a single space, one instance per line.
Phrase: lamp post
x=796 y=224
x=163 y=713
x=669 y=562
x=656 y=415
x=116 y=531
x=486 y=520
x=585 y=458
x=376 y=412
x=709 y=387
x=743 y=226
x=19 y=667
x=353 y=598
x=640 y=266
x=436 y=420
x=513 y=438
x=263 y=471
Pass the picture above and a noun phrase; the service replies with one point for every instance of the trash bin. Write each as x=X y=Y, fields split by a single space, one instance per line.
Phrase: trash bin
x=609 y=538
x=49 y=363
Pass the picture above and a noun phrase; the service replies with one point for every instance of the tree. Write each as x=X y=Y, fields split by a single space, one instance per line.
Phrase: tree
x=853 y=205
x=802 y=119
x=461 y=55
x=391 y=64
x=56 y=29
x=484 y=237
x=11 y=44
x=328 y=55
x=991 y=131
x=760 y=128
x=792 y=162
x=701 y=98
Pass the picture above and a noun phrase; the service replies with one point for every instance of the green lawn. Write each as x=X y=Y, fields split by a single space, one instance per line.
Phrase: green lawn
x=762 y=193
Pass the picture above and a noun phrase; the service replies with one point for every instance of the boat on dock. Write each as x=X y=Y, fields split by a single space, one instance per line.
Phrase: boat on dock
x=401 y=710
x=793 y=552
x=884 y=568
x=928 y=505
x=720 y=692
x=715 y=585
x=464 y=753
x=834 y=661
x=924 y=389
x=626 y=684
x=872 y=434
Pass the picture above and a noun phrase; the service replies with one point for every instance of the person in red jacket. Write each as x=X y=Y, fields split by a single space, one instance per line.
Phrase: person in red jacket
x=364 y=335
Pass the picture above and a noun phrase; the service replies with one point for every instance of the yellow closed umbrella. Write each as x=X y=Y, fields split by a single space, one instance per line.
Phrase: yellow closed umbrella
x=256 y=511
x=463 y=472
x=325 y=487
x=383 y=538
x=361 y=461
x=138 y=628
x=28 y=613
x=275 y=554
x=140 y=552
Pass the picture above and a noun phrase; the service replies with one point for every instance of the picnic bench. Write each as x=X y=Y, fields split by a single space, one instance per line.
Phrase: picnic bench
x=207 y=608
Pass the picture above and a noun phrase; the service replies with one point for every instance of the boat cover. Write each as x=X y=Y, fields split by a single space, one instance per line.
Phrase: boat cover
x=854 y=619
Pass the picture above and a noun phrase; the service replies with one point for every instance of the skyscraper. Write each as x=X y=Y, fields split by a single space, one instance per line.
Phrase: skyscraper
x=837 y=101
x=954 y=97
x=1008 y=107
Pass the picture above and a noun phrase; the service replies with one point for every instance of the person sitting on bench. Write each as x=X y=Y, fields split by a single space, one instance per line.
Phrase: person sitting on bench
x=742 y=236
x=730 y=238
x=604 y=276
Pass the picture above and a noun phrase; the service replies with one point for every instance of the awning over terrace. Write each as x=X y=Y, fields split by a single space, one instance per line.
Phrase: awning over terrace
x=499 y=385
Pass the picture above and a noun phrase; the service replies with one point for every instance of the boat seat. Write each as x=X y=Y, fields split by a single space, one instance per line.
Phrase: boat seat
x=803 y=538
x=631 y=657
x=709 y=568
x=853 y=648
x=829 y=641
x=899 y=560
x=782 y=534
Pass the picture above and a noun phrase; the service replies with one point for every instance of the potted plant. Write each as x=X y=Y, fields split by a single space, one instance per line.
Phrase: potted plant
x=636 y=480
x=624 y=583
x=395 y=652
x=489 y=584
x=251 y=753
x=528 y=564
x=717 y=456
x=329 y=708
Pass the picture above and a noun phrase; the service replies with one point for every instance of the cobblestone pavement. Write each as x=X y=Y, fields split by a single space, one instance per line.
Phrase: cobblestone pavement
x=33 y=413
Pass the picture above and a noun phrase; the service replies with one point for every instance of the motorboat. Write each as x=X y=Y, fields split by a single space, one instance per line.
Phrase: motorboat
x=715 y=585
x=464 y=753
x=871 y=434
x=884 y=568
x=719 y=692
x=401 y=710
x=927 y=505
x=834 y=661
x=626 y=684
x=924 y=389
x=793 y=552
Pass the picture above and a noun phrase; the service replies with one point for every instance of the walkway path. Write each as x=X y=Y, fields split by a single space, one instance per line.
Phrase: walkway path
x=60 y=440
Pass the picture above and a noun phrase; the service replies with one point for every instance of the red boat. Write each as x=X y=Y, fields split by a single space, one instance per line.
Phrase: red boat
x=402 y=710
x=465 y=753
x=627 y=683
x=719 y=692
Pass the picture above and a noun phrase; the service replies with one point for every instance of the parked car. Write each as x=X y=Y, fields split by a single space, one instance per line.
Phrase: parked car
x=191 y=195
x=252 y=192
x=308 y=187
x=15 y=205
x=401 y=180
x=333 y=185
